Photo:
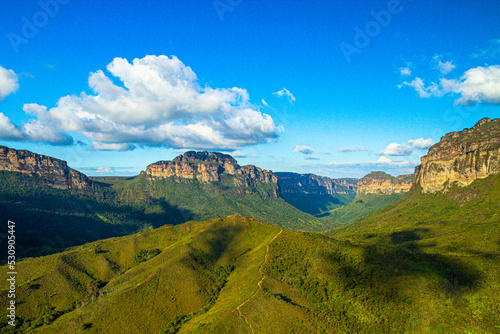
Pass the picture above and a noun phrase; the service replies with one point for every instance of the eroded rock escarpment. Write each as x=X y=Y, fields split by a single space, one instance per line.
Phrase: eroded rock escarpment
x=50 y=171
x=461 y=157
x=381 y=183
x=294 y=183
x=209 y=167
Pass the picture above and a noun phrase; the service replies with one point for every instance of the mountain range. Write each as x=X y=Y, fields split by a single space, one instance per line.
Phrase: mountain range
x=200 y=244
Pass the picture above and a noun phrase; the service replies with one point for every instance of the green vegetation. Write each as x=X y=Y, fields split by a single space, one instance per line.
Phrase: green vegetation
x=361 y=206
x=50 y=220
x=316 y=204
x=425 y=264
x=198 y=201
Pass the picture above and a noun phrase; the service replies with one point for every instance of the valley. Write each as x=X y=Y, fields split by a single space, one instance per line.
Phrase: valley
x=201 y=244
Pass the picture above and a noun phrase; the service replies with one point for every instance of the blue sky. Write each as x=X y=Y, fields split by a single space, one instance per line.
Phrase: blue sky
x=326 y=87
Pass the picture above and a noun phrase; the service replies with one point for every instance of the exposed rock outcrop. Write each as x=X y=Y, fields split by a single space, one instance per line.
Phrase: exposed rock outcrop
x=210 y=167
x=461 y=157
x=384 y=184
x=295 y=183
x=51 y=171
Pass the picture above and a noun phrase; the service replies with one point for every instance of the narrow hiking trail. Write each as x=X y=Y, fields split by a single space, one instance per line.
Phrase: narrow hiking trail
x=258 y=284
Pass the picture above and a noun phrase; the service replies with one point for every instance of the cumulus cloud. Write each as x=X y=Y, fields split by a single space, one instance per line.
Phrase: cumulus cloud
x=8 y=82
x=311 y=157
x=285 y=92
x=444 y=67
x=395 y=149
x=303 y=149
x=421 y=143
x=10 y=131
x=480 y=84
x=351 y=149
x=160 y=103
x=476 y=85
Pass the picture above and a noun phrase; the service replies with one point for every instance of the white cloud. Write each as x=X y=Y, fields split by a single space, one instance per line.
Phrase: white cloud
x=160 y=104
x=383 y=159
x=303 y=149
x=285 y=92
x=351 y=149
x=444 y=67
x=265 y=103
x=9 y=131
x=311 y=157
x=8 y=82
x=476 y=85
x=405 y=71
x=421 y=143
x=396 y=149
x=480 y=84
x=419 y=86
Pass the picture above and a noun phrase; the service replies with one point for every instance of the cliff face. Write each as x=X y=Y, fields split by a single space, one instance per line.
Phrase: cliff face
x=384 y=184
x=52 y=171
x=209 y=167
x=461 y=157
x=294 y=183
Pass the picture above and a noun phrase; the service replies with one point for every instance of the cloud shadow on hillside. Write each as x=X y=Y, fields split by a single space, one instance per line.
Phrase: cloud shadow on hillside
x=385 y=270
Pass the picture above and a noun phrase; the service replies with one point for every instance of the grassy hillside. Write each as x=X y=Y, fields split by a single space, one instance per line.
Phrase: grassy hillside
x=361 y=206
x=236 y=275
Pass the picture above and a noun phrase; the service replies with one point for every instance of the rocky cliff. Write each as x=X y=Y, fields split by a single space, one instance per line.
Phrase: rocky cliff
x=294 y=183
x=461 y=157
x=384 y=184
x=51 y=171
x=210 y=167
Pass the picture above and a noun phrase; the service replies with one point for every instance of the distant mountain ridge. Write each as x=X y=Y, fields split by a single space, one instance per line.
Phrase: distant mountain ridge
x=315 y=194
x=314 y=184
x=209 y=167
x=384 y=184
x=51 y=171
x=461 y=157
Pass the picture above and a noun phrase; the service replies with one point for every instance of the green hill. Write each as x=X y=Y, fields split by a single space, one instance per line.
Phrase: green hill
x=361 y=206
x=236 y=275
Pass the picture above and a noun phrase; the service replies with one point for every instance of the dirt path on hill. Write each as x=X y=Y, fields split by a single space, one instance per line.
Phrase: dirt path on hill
x=258 y=284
